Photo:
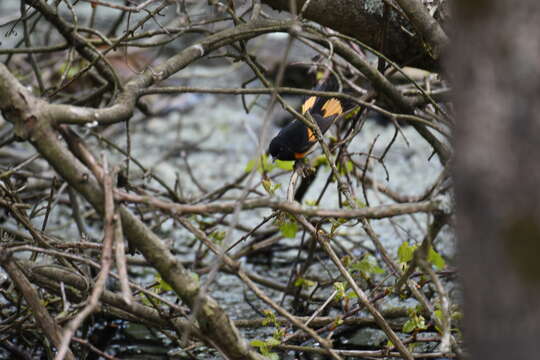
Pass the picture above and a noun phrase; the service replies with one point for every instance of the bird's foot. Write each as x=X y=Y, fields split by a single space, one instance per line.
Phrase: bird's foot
x=303 y=169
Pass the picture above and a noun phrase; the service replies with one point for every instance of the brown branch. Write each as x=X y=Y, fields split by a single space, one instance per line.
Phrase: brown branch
x=426 y=25
x=81 y=45
x=362 y=297
x=412 y=285
x=364 y=20
x=389 y=91
x=375 y=212
x=445 y=321
x=24 y=111
x=94 y=349
x=124 y=106
x=120 y=258
x=421 y=253
x=320 y=321
x=212 y=319
x=44 y=320
x=77 y=258
x=417 y=99
x=50 y=278
x=367 y=354
x=35 y=120
x=260 y=294
x=106 y=262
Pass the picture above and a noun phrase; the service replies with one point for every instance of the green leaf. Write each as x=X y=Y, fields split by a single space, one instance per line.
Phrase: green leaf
x=367 y=266
x=377 y=269
x=405 y=252
x=346 y=168
x=420 y=322
x=218 y=236
x=262 y=163
x=269 y=186
x=351 y=294
x=347 y=261
x=162 y=284
x=438 y=314
x=340 y=289
x=415 y=322
x=285 y=165
x=349 y=166
x=360 y=203
x=265 y=346
x=273 y=341
x=279 y=333
x=289 y=229
x=250 y=165
x=257 y=343
x=304 y=283
x=436 y=259
x=336 y=223
x=352 y=113
x=409 y=326
x=320 y=160
x=270 y=318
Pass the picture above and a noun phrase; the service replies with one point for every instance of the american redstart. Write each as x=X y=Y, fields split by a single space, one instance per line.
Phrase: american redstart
x=296 y=140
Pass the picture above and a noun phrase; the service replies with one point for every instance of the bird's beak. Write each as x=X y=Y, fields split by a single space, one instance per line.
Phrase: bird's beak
x=268 y=155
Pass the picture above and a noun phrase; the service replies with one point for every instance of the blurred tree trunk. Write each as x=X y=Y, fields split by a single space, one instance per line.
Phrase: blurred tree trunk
x=495 y=64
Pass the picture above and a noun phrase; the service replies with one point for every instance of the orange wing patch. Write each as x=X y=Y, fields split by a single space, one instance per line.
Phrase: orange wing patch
x=310 y=135
x=332 y=107
x=299 y=155
x=308 y=104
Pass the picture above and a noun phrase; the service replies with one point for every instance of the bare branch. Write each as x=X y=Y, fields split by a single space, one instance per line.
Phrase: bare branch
x=362 y=19
x=427 y=26
x=42 y=316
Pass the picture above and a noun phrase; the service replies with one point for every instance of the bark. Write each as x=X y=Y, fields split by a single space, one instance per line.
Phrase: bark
x=497 y=175
x=426 y=25
x=369 y=22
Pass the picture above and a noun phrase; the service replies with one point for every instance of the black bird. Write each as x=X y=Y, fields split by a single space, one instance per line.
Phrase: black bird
x=296 y=140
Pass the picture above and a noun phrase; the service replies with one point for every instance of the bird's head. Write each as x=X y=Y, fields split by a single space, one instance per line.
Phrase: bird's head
x=279 y=150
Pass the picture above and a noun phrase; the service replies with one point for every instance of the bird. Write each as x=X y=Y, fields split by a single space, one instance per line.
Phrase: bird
x=295 y=141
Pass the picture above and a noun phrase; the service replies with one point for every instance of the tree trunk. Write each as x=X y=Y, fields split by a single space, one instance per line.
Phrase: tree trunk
x=497 y=85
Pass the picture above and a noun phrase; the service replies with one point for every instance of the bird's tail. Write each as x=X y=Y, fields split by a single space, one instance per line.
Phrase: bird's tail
x=327 y=106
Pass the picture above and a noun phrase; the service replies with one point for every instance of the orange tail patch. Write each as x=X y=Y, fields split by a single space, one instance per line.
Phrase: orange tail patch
x=332 y=107
x=308 y=104
x=310 y=135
